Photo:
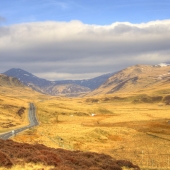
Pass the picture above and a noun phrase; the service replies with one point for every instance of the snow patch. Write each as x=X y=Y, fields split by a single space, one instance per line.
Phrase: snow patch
x=26 y=75
x=163 y=65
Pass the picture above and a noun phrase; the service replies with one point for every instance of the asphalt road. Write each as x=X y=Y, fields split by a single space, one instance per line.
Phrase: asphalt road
x=33 y=122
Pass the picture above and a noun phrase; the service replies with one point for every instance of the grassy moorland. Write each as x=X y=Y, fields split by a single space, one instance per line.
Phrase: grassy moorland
x=134 y=128
x=14 y=106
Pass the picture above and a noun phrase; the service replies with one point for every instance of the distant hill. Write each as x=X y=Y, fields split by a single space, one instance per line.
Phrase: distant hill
x=69 y=87
x=90 y=83
x=11 y=86
x=10 y=81
x=70 y=90
x=138 y=78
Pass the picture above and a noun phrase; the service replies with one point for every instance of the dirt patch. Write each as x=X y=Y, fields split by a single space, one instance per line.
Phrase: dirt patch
x=7 y=125
x=21 y=111
x=92 y=100
x=167 y=100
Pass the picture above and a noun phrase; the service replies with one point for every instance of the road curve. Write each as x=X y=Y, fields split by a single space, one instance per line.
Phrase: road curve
x=32 y=119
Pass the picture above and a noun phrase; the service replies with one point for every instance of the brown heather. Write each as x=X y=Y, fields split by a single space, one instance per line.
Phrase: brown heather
x=12 y=153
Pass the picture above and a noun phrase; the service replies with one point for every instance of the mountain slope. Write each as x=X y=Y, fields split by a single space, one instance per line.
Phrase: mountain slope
x=27 y=78
x=137 y=78
x=66 y=90
x=11 y=86
x=10 y=81
x=92 y=83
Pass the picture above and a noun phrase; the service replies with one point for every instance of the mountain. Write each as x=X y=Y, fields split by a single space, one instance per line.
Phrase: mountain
x=69 y=87
x=90 y=83
x=133 y=79
x=27 y=78
x=137 y=78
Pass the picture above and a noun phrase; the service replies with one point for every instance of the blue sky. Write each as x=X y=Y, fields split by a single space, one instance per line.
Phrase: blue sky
x=100 y=12
x=81 y=39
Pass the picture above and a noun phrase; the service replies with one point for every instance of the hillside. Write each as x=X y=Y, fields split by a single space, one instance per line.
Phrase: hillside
x=137 y=79
x=66 y=90
x=9 y=106
x=56 y=159
x=14 y=96
x=10 y=81
x=11 y=86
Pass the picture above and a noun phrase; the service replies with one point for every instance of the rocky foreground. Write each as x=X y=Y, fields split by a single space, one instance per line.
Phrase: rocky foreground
x=13 y=153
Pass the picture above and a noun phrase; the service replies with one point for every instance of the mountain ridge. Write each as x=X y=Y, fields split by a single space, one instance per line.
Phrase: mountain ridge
x=136 y=78
x=78 y=87
x=26 y=77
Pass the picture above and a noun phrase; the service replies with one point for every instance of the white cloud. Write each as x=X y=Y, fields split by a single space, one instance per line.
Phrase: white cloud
x=73 y=48
x=66 y=76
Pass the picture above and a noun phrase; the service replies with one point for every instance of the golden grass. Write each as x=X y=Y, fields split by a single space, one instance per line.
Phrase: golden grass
x=11 y=100
x=118 y=128
x=8 y=113
x=28 y=166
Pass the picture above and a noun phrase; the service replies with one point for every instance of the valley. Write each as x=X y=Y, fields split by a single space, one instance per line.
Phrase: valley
x=127 y=117
x=121 y=129
x=69 y=88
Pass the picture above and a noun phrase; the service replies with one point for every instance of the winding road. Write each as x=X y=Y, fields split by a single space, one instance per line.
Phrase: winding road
x=32 y=119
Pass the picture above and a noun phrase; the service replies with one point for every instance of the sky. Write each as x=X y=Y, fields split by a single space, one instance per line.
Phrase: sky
x=78 y=39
